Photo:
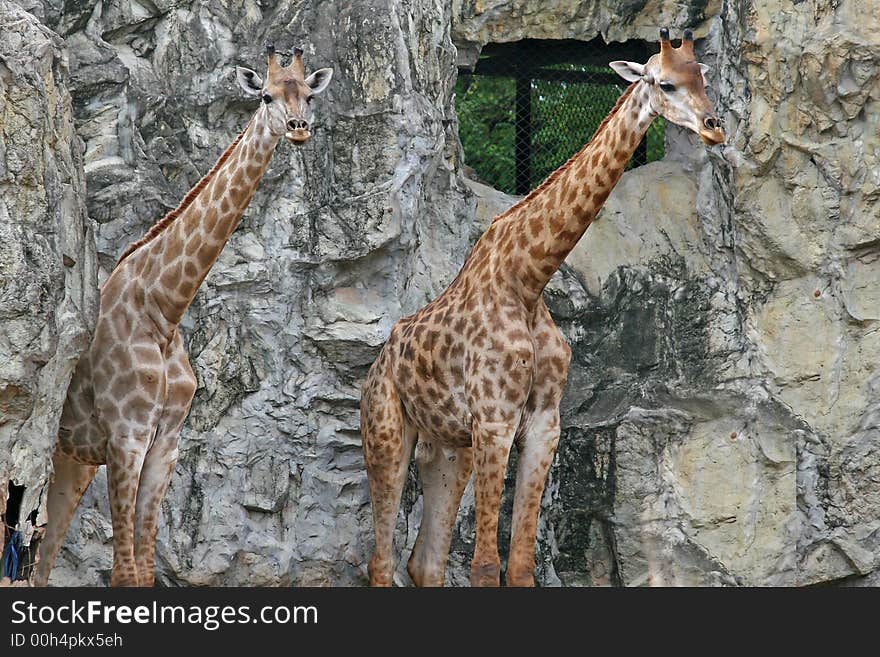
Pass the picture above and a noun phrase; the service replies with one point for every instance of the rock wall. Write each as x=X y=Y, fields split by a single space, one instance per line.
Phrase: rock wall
x=799 y=201
x=47 y=257
x=719 y=424
x=478 y=22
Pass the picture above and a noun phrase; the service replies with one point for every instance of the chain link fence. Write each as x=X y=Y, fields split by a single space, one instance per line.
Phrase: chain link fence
x=527 y=106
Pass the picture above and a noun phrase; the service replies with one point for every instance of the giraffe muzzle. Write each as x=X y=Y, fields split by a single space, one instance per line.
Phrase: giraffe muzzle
x=711 y=132
x=298 y=136
x=297 y=131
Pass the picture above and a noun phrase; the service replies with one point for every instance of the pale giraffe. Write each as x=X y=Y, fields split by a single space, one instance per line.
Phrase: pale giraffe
x=483 y=366
x=133 y=388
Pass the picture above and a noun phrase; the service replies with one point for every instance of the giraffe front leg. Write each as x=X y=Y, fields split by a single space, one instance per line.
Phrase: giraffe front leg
x=535 y=457
x=155 y=477
x=125 y=459
x=388 y=442
x=69 y=481
x=491 y=449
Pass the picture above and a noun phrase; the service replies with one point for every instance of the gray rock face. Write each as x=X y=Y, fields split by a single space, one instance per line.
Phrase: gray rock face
x=720 y=419
x=800 y=197
x=47 y=254
x=478 y=22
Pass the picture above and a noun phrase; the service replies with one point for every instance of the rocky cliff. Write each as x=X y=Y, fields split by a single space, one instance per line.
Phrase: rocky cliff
x=719 y=423
x=48 y=293
x=798 y=214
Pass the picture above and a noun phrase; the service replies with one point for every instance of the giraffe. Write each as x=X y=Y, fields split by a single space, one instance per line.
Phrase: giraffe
x=132 y=390
x=483 y=366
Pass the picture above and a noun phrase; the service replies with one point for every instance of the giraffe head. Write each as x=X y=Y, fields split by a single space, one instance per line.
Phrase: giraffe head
x=286 y=94
x=677 y=87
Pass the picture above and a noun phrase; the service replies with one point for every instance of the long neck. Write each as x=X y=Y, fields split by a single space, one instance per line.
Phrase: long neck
x=183 y=254
x=544 y=227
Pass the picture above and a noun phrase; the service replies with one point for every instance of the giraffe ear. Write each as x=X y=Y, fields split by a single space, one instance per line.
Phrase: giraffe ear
x=319 y=80
x=250 y=82
x=629 y=71
x=704 y=68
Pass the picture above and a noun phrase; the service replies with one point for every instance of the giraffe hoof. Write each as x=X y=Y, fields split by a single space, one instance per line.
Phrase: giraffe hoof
x=486 y=574
x=519 y=579
x=380 y=573
x=415 y=572
x=422 y=579
x=18 y=583
x=123 y=580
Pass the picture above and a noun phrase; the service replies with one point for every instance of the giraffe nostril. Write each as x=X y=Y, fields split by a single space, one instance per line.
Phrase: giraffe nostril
x=297 y=124
x=711 y=123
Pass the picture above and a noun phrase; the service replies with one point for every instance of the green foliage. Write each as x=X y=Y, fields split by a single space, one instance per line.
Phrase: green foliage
x=486 y=127
x=564 y=117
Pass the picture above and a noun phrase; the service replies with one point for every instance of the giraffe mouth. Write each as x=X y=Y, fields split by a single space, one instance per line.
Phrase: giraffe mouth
x=712 y=137
x=298 y=136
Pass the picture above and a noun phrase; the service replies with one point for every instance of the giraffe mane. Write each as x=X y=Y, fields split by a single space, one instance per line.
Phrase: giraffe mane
x=553 y=176
x=159 y=227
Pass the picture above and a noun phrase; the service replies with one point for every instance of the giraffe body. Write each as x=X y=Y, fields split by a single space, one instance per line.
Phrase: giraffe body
x=467 y=403
x=483 y=366
x=132 y=390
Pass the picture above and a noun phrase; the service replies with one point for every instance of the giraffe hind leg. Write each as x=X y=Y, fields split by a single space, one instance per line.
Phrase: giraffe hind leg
x=444 y=473
x=388 y=444
x=152 y=487
x=160 y=461
x=69 y=482
x=537 y=445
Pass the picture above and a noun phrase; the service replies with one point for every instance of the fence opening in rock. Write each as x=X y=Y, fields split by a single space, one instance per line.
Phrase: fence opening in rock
x=525 y=107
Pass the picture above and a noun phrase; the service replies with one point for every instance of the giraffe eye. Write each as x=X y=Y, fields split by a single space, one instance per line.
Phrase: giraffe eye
x=667 y=87
x=267 y=98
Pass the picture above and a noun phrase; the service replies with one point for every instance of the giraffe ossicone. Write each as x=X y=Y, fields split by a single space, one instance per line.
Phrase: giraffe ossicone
x=483 y=366
x=132 y=389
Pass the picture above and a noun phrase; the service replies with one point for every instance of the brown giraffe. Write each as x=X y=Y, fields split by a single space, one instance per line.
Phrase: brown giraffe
x=132 y=390
x=483 y=366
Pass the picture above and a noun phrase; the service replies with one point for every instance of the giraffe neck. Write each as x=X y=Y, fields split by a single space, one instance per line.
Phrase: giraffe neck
x=544 y=227
x=181 y=256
